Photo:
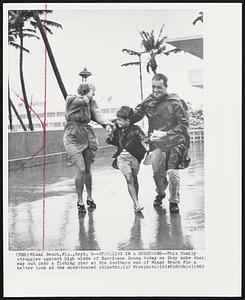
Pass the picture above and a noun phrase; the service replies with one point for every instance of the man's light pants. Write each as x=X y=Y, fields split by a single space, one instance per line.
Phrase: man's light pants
x=164 y=178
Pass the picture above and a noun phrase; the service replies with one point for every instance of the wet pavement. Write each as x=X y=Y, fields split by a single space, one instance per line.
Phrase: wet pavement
x=113 y=225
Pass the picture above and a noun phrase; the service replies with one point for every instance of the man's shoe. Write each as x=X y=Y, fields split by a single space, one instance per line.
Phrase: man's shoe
x=173 y=207
x=158 y=200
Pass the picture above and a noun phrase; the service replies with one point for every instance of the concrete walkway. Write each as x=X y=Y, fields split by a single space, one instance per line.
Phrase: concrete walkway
x=113 y=225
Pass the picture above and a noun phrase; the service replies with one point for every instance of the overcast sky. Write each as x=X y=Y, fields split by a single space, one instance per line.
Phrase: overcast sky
x=95 y=39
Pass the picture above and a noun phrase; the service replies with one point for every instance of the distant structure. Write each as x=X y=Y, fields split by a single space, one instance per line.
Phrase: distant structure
x=194 y=46
x=190 y=44
x=85 y=74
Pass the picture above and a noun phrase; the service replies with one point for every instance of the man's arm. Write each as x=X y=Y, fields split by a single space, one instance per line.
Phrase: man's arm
x=141 y=135
x=182 y=119
x=139 y=113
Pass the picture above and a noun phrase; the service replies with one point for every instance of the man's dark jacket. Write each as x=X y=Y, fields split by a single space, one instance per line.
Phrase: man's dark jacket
x=168 y=114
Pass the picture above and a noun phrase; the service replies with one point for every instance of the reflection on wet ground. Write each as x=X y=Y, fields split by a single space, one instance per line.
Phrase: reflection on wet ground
x=113 y=224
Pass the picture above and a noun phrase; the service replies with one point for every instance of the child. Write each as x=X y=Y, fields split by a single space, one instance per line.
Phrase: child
x=130 y=151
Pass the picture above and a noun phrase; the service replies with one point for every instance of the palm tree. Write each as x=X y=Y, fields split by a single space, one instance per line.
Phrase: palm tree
x=41 y=26
x=10 y=112
x=11 y=105
x=154 y=46
x=12 y=35
x=16 y=29
x=17 y=20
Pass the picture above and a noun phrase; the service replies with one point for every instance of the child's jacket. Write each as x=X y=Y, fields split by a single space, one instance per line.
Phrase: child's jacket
x=128 y=139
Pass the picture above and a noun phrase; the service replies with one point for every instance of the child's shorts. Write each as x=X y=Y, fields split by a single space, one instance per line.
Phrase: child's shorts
x=128 y=164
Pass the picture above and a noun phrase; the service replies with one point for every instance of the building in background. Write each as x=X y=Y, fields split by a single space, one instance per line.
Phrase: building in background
x=55 y=119
x=194 y=46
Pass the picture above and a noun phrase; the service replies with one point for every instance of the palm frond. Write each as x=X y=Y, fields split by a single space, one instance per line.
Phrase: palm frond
x=41 y=12
x=33 y=23
x=13 y=33
x=144 y=40
x=29 y=30
x=149 y=41
x=131 y=52
x=29 y=35
x=11 y=39
x=134 y=63
x=176 y=50
x=160 y=33
x=47 y=29
x=51 y=23
x=152 y=39
x=18 y=47
x=161 y=50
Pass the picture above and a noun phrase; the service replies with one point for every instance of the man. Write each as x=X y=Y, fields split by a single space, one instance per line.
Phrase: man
x=79 y=139
x=169 y=139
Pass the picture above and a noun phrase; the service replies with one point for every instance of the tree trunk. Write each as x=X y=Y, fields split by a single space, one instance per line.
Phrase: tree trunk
x=17 y=115
x=50 y=54
x=23 y=83
x=10 y=112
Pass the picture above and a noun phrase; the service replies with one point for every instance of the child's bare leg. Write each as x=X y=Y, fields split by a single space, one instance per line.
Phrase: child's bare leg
x=136 y=184
x=131 y=188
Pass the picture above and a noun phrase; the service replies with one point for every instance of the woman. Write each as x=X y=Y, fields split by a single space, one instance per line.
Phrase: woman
x=79 y=138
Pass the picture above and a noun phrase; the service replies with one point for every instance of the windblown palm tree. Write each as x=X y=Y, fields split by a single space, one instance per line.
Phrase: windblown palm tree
x=12 y=35
x=154 y=46
x=42 y=28
x=17 y=21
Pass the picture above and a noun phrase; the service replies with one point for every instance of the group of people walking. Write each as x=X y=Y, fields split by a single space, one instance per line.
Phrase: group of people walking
x=165 y=146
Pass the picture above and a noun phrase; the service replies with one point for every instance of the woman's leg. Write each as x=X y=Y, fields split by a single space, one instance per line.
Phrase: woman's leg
x=87 y=154
x=79 y=183
x=78 y=161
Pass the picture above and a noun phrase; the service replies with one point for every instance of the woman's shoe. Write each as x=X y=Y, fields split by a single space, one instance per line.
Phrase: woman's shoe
x=91 y=203
x=81 y=208
x=138 y=209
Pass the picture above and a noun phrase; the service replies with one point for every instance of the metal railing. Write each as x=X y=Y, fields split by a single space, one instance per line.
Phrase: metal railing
x=196 y=135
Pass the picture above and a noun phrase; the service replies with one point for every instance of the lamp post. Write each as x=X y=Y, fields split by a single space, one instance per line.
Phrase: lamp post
x=137 y=63
x=85 y=74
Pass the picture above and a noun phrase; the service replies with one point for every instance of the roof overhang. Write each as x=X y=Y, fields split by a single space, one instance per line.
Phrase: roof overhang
x=190 y=44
